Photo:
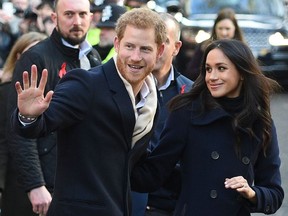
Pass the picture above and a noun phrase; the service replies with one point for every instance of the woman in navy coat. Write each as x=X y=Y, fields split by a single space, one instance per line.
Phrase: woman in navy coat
x=224 y=136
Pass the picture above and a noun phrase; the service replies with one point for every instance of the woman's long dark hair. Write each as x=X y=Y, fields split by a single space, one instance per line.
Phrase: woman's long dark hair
x=256 y=89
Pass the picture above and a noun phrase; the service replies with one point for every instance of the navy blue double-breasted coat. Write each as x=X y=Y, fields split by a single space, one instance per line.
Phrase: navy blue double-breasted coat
x=205 y=146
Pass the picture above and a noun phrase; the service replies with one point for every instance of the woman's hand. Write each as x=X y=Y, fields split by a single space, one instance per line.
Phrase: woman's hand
x=241 y=185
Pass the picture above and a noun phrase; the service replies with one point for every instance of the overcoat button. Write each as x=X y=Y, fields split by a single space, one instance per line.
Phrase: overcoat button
x=213 y=194
x=245 y=160
x=215 y=155
x=267 y=209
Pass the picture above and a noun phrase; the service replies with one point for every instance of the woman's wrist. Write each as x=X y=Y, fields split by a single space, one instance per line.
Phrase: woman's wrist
x=252 y=197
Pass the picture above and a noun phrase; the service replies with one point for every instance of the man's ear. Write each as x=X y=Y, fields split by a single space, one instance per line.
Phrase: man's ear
x=178 y=45
x=116 y=44
x=160 y=50
x=54 y=18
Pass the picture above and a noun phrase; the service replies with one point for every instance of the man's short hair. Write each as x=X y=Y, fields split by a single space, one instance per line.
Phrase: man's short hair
x=142 y=18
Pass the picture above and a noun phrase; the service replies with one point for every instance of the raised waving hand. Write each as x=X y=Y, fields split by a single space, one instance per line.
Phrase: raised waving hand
x=31 y=99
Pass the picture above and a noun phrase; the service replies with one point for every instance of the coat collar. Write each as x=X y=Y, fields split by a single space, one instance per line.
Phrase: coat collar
x=121 y=98
x=207 y=117
x=213 y=116
x=183 y=83
x=68 y=51
x=93 y=55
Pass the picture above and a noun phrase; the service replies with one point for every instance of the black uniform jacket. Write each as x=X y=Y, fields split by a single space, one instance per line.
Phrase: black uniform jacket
x=35 y=159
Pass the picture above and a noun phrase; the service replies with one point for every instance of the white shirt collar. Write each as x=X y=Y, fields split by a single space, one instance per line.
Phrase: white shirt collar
x=144 y=91
x=85 y=47
x=169 y=80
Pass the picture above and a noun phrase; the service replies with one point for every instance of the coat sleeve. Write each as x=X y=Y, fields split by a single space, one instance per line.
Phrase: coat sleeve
x=267 y=183
x=71 y=101
x=65 y=108
x=154 y=171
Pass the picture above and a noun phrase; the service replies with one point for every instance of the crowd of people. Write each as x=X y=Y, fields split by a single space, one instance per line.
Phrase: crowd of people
x=98 y=119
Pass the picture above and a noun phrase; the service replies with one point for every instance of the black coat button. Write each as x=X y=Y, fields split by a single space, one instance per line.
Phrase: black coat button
x=267 y=209
x=213 y=194
x=245 y=160
x=215 y=155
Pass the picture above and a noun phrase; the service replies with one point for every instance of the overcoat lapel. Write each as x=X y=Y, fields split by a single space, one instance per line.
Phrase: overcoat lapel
x=121 y=98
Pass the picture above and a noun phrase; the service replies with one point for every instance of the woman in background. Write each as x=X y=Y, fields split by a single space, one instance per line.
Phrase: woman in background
x=22 y=44
x=225 y=27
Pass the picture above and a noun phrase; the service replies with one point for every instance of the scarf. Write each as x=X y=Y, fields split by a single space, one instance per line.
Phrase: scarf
x=145 y=115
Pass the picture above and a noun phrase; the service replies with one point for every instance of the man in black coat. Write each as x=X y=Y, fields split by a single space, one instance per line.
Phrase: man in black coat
x=33 y=161
x=104 y=118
